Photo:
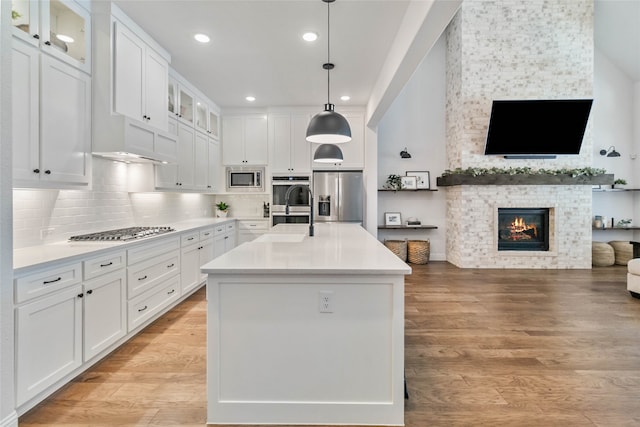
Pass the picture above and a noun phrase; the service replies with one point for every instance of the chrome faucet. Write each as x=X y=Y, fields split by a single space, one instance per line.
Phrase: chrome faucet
x=286 y=209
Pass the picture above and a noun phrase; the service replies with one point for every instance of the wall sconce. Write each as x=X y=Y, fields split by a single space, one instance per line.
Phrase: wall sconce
x=610 y=152
x=404 y=154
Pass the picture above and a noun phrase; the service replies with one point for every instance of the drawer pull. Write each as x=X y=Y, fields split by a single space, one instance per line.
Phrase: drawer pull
x=171 y=291
x=170 y=265
x=142 y=309
x=107 y=264
x=46 y=282
x=142 y=278
x=190 y=238
x=226 y=237
x=80 y=295
x=90 y=291
x=206 y=234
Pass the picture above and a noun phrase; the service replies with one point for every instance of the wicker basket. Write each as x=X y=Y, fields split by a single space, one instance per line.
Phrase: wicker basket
x=602 y=254
x=398 y=247
x=623 y=251
x=418 y=251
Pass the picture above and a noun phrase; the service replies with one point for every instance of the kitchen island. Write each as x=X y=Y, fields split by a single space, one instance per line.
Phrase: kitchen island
x=306 y=330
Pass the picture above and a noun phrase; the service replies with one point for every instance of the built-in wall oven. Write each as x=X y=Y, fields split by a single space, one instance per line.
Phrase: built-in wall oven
x=299 y=199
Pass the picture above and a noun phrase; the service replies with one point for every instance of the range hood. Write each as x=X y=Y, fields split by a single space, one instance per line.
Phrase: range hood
x=126 y=140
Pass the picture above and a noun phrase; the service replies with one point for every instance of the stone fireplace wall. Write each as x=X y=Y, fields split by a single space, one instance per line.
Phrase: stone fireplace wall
x=516 y=49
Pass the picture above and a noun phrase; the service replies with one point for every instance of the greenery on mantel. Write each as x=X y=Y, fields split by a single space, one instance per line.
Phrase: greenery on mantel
x=525 y=171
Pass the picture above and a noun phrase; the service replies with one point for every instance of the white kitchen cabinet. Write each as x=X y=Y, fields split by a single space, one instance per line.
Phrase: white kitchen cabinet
x=224 y=238
x=181 y=175
x=197 y=250
x=213 y=171
x=51 y=121
x=105 y=314
x=201 y=161
x=245 y=140
x=249 y=230
x=48 y=341
x=214 y=124
x=140 y=79
x=353 y=151
x=61 y=28
x=289 y=150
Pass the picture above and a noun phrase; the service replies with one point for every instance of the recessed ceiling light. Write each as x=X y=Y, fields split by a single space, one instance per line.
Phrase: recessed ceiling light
x=310 y=37
x=202 y=38
x=250 y=98
x=345 y=97
x=63 y=38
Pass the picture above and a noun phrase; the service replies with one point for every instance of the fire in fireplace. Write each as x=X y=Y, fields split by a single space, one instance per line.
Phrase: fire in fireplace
x=523 y=229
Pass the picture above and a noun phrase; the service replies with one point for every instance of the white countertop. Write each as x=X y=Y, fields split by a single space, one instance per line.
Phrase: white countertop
x=336 y=248
x=64 y=251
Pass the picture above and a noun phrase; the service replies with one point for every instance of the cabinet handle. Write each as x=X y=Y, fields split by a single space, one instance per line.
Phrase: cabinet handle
x=171 y=291
x=144 y=117
x=48 y=172
x=148 y=117
x=142 y=278
x=46 y=282
x=177 y=114
x=191 y=238
x=36 y=36
x=107 y=264
x=90 y=291
x=226 y=237
x=48 y=43
x=36 y=170
x=170 y=265
x=142 y=309
x=201 y=247
x=80 y=295
x=206 y=234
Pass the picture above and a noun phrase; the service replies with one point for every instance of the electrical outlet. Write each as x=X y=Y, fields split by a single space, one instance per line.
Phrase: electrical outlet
x=46 y=232
x=326 y=301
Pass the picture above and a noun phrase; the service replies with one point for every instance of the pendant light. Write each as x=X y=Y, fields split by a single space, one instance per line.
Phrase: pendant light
x=328 y=127
x=328 y=153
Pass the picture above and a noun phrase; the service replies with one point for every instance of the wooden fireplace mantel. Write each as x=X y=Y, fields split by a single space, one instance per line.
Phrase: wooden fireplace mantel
x=523 y=179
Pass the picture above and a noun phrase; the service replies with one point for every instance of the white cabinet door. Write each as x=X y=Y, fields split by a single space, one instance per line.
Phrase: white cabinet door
x=219 y=242
x=190 y=267
x=65 y=122
x=207 y=253
x=156 y=79
x=214 y=165
x=233 y=141
x=129 y=53
x=300 y=147
x=186 y=150
x=245 y=140
x=280 y=136
x=25 y=111
x=202 y=116
x=48 y=341
x=214 y=124
x=105 y=315
x=201 y=161
x=256 y=140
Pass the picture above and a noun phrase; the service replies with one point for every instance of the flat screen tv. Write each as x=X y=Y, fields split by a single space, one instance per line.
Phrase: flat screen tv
x=537 y=128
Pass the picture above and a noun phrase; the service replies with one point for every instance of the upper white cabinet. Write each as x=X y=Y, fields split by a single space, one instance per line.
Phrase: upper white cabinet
x=51 y=121
x=245 y=140
x=140 y=79
x=289 y=150
x=61 y=28
x=189 y=106
x=180 y=175
x=352 y=151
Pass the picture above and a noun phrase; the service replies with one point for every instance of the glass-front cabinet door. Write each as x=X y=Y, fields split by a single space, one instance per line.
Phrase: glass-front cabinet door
x=173 y=99
x=62 y=28
x=213 y=125
x=202 y=111
x=186 y=105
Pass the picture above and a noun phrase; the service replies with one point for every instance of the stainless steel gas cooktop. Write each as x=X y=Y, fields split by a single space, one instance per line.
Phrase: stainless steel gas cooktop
x=122 y=234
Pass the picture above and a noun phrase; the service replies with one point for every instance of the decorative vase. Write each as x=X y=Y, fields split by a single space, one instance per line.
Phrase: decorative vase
x=221 y=214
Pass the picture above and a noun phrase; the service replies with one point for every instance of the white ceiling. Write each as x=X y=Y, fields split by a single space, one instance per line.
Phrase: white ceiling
x=256 y=47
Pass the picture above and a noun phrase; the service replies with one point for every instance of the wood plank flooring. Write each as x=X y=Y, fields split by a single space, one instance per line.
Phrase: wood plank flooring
x=483 y=348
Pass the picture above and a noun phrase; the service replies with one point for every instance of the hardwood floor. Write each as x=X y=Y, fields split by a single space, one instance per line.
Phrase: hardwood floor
x=483 y=348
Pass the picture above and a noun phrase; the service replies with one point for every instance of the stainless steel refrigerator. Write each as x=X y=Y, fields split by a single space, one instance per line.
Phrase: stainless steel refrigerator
x=339 y=196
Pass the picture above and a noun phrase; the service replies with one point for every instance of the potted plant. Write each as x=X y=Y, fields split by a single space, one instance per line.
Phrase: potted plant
x=394 y=182
x=222 y=209
x=619 y=183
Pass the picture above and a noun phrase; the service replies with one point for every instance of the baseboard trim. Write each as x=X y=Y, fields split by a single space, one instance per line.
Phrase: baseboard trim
x=10 y=420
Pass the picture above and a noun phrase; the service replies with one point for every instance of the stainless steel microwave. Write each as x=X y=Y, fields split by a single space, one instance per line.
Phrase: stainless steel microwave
x=245 y=179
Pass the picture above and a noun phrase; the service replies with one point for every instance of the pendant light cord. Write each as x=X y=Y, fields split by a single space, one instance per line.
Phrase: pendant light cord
x=328 y=52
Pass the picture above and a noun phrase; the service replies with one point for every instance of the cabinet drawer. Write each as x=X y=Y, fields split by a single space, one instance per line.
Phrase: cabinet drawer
x=152 y=249
x=219 y=229
x=146 y=275
x=103 y=264
x=190 y=238
x=153 y=301
x=231 y=226
x=253 y=225
x=206 y=234
x=47 y=281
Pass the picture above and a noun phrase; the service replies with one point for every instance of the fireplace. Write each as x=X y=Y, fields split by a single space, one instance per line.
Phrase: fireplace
x=523 y=229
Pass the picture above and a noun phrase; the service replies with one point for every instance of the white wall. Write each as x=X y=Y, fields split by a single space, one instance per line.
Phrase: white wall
x=8 y=416
x=416 y=120
x=615 y=106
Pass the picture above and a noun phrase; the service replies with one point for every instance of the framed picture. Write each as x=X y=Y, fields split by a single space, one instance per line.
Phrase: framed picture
x=392 y=218
x=422 y=177
x=409 y=182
